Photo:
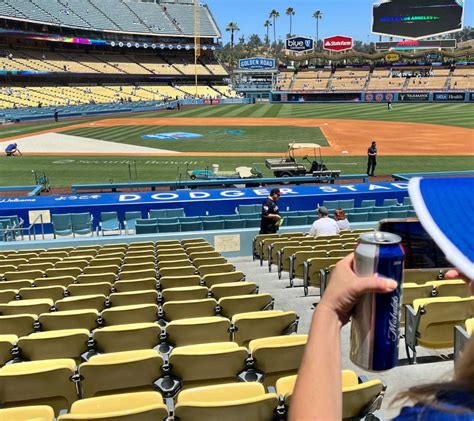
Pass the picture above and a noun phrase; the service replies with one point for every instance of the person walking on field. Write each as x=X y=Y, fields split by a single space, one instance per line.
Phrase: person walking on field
x=372 y=159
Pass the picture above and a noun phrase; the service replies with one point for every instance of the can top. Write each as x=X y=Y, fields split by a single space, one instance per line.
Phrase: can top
x=380 y=237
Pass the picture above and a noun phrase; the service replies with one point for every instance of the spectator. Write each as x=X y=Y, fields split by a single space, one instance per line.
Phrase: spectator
x=317 y=394
x=341 y=219
x=324 y=225
x=270 y=213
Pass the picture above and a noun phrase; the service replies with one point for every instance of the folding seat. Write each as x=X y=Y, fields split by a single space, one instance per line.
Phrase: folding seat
x=312 y=271
x=140 y=244
x=6 y=268
x=190 y=241
x=175 y=310
x=146 y=284
x=340 y=253
x=411 y=292
x=178 y=271
x=210 y=269
x=222 y=278
x=167 y=282
x=206 y=364
x=283 y=257
x=93 y=279
x=296 y=262
x=83 y=302
x=23 y=275
x=105 y=261
x=142 y=251
x=127 y=337
x=81 y=253
x=137 y=274
x=28 y=413
x=66 y=264
x=102 y=288
x=203 y=255
x=110 y=254
x=15 y=261
x=98 y=270
x=452 y=288
x=230 y=289
x=7 y=344
x=174 y=263
x=359 y=399
x=18 y=324
x=430 y=322
x=262 y=324
x=207 y=261
x=138 y=406
x=277 y=356
x=169 y=249
x=167 y=243
x=138 y=264
x=462 y=335
x=57 y=252
x=7 y=295
x=185 y=293
x=199 y=248
x=26 y=255
x=45 y=382
x=38 y=306
x=62 y=281
x=62 y=272
x=229 y=306
x=133 y=297
x=15 y=285
x=168 y=257
x=71 y=343
x=140 y=313
x=198 y=330
x=230 y=402
x=71 y=319
x=35 y=266
x=53 y=293
x=274 y=248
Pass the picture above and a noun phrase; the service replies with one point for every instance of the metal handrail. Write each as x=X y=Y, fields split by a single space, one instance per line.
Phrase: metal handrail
x=32 y=227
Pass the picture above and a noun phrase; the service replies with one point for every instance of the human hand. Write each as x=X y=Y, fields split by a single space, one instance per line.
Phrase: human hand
x=277 y=217
x=455 y=274
x=345 y=289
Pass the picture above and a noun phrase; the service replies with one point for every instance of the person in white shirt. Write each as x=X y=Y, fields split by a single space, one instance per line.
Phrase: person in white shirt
x=324 y=225
x=340 y=217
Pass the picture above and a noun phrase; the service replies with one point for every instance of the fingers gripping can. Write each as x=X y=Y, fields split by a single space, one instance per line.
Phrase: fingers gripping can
x=376 y=318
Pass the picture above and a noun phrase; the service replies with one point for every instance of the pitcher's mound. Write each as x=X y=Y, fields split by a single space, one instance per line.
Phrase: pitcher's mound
x=55 y=143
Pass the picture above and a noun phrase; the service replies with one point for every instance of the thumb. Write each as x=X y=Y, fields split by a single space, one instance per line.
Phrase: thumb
x=376 y=284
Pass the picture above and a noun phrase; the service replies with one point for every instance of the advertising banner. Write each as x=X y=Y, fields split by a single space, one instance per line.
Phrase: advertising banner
x=415 y=45
x=447 y=96
x=392 y=57
x=414 y=97
x=338 y=43
x=257 y=63
x=299 y=44
x=379 y=97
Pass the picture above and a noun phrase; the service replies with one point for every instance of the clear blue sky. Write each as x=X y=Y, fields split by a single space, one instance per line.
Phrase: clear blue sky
x=340 y=17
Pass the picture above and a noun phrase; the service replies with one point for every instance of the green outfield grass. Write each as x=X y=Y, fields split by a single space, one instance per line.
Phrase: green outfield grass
x=214 y=138
x=63 y=172
x=71 y=170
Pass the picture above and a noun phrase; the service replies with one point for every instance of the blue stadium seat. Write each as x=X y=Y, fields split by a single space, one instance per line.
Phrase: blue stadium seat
x=411 y=214
x=296 y=220
x=246 y=209
x=211 y=218
x=390 y=202
x=131 y=218
x=146 y=228
x=168 y=220
x=377 y=216
x=363 y=210
x=286 y=214
x=231 y=217
x=213 y=225
x=191 y=226
x=62 y=224
x=310 y=219
x=169 y=227
x=157 y=213
x=357 y=217
x=151 y=221
x=407 y=200
x=398 y=214
x=307 y=213
x=331 y=204
x=366 y=203
x=401 y=207
x=109 y=221
x=255 y=215
x=234 y=224
x=252 y=223
x=190 y=219
x=346 y=204
x=81 y=223
x=382 y=209
x=175 y=213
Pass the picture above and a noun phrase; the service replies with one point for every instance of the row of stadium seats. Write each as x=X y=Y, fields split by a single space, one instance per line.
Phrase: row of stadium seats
x=164 y=18
x=18 y=97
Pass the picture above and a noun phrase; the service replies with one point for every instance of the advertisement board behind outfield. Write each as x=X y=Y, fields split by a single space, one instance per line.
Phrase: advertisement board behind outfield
x=338 y=43
x=414 y=96
x=461 y=96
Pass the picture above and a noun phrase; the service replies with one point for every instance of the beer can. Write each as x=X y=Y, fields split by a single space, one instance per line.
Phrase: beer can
x=376 y=318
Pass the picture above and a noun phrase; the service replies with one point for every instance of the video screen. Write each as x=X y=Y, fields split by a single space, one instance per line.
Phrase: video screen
x=417 y=18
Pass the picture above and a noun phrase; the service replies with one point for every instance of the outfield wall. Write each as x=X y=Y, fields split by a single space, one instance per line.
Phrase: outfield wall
x=372 y=97
x=196 y=202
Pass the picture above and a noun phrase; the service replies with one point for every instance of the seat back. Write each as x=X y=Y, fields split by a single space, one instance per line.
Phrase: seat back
x=229 y=306
x=127 y=337
x=222 y=278
x=356 y=399
x=175 y=310
x=139 y=313
x=17 y=324
x=71 y=319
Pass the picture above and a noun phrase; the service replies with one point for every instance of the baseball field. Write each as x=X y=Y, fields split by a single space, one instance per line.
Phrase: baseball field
x=162 y=145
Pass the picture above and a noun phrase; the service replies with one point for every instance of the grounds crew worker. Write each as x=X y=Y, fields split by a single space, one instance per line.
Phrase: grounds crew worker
x=270 y=213
x=372 y=159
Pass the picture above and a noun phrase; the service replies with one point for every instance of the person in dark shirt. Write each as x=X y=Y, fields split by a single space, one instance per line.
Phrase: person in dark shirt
x=372 y=159
x=56 y=115
x=270 y=213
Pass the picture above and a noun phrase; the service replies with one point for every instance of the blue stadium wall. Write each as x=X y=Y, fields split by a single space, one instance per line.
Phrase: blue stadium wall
x=197 y=202
x=371 y=97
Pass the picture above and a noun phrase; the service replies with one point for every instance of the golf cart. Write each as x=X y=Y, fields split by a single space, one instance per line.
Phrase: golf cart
x=214 y=173
x=290 y=167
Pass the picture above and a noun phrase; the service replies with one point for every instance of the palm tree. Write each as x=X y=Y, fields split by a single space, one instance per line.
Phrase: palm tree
x=232 y=27
x=317 y=15
x=274 y=14
x=290 y=12
x=267 y=25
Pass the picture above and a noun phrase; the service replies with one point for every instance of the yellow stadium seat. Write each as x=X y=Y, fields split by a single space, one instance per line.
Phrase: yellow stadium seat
x=7 y=295
x=220 y=278
x=230 y=306
x=133 y=297
x=127 y=337
x=23 y=275
x=451 y=288
x=167 y=282
x=94 y=278
x=99 y=288
x=15 y=285
x=71 y=319
x=230 y=289
x=82 y=302
x=53 y=293
x=175 y=310
x=18 y=324
x=185 y=293
x=7 y=343
x=136 y=285
x=37 y=306
x=63 y=281
x=140 y=313
x=178 y=271
x=28 y=413
x=220 y=268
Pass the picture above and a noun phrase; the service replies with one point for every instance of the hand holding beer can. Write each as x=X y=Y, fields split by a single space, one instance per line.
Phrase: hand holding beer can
x=376 y=318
